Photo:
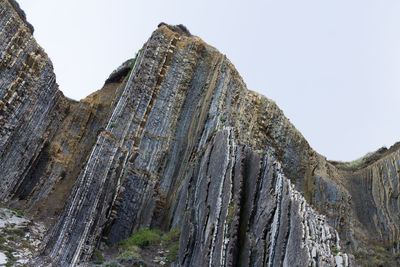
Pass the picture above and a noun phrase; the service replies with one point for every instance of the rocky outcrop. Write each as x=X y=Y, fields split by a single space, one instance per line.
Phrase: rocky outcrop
x=175 y=140
x=20 y=238
x=375 y=192
x=30 y=101
x=45 y=138
x=179 y=106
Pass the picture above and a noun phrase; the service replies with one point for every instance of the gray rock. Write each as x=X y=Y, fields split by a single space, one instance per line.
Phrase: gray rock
x=179 y=142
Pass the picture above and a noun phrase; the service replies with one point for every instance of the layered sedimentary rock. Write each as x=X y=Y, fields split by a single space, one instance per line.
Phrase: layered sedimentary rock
x=167 y=159
x=29 y=98
x=375 y=192
x=175 y=140
x=45 y=138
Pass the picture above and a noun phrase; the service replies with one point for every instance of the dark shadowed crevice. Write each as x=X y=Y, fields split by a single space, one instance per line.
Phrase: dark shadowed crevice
x=34 y=173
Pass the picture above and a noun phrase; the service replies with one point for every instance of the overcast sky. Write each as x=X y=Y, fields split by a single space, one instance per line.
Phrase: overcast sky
x=332 y=66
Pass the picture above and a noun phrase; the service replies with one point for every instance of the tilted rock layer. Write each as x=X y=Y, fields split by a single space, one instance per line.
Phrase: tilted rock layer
x=175 y=140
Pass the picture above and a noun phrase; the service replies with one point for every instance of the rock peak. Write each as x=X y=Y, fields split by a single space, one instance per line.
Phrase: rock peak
x=180 y=28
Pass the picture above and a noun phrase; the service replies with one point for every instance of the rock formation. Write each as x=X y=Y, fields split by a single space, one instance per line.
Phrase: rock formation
x=174 y=139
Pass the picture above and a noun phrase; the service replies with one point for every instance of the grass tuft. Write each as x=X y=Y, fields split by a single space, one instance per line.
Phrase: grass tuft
x=142 y=238
x=171 y=237
x=16 y=231
x=97 y=257
x=335 y=250
x=10 y=256
x=20 y=213
x=130 y=254
x=173 y=253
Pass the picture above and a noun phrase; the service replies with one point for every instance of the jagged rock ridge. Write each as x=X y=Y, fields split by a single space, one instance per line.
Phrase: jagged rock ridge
x=176 y=140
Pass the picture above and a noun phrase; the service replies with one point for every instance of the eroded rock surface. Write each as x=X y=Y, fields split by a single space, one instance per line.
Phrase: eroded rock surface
x=175 y=140
x=20 y=238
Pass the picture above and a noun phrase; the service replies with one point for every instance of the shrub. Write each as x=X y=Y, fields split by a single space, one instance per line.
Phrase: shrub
x=335 y=250
x=17 y=231
x=171 y=237
x=170 y=240
x=131 y=254
x=97 y=257
x=20 y=213
x=142 y=238
x=173 y=253
x=6 y=248
x=380 y=250
x=10 y=256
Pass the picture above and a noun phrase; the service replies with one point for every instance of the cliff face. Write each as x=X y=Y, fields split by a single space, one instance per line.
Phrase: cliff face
x=174 y=140
x=375 y=200
x=29 y=98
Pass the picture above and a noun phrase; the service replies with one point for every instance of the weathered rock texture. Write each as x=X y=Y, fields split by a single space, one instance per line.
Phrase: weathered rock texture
x=174 y=139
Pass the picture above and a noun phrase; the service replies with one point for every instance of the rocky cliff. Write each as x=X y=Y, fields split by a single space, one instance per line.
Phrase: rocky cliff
x=174 y=141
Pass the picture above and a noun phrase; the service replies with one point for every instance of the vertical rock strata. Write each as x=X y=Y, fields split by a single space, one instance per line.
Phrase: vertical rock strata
x=375 y=191
x=45 y=138
x=29 y=98
x=167 y=158
x=178 y=141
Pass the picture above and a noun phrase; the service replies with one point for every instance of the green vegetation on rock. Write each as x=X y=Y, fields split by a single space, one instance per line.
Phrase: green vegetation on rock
x=142 y=238
x=335 y=250
x=20 y=213
x=170 y=241
x=229 y=216
x=134 y=61
x=376 y=257
x=2 y=239
x=173 y=254
x=97 y=257
x=146 y=241
x=358 y=162
x=17 y=231
x=171 y=238
x=6 y=248
x=132 y=253
x=10 y=256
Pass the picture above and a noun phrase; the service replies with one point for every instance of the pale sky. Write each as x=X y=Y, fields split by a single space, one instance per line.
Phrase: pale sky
x=333 y=66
